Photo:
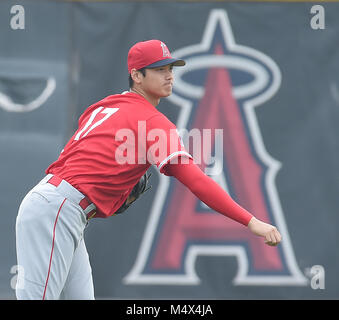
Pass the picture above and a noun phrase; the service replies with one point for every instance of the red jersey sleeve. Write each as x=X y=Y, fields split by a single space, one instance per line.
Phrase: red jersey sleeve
x=164 y=143
x=208 y=191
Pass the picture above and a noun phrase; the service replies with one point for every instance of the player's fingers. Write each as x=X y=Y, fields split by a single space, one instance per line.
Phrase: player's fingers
x=278 y=236
x=275 y=235
x=268 y=239
x=273 y=238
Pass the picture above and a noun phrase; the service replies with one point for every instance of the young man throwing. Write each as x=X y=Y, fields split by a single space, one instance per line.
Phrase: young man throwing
x=96 y=172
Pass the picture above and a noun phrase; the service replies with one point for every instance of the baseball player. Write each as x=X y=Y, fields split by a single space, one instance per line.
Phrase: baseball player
x=101 y=171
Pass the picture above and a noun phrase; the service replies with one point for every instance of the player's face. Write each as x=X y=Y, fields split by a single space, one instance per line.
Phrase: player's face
x=158 y=82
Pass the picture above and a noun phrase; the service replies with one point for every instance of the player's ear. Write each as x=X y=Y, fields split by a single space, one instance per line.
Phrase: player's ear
x=136 y=75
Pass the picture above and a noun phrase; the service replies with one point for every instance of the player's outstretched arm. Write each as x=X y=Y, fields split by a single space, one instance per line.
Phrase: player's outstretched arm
x=208 y=191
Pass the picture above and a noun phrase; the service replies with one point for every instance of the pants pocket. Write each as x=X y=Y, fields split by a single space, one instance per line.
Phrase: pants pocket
x=40 y=195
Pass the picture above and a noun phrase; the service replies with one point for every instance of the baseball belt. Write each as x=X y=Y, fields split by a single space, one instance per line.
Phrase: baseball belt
x=85 y=203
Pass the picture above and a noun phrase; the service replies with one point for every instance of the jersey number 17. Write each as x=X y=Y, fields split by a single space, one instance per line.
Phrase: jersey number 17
x=89 y=126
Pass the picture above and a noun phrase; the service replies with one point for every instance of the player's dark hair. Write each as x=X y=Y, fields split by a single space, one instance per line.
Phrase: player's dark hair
x=130 y=80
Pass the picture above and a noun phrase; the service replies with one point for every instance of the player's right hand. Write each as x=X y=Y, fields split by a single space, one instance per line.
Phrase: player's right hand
x=270 y=233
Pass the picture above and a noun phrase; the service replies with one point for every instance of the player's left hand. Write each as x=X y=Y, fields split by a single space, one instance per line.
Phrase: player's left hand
x=270 y=233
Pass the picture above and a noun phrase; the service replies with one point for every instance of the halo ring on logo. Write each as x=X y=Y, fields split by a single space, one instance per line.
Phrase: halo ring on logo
x=27 y=70
x=7 y=104
x=260 y=81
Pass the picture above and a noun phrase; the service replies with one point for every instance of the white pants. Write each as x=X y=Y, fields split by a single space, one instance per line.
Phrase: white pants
x=52 y=258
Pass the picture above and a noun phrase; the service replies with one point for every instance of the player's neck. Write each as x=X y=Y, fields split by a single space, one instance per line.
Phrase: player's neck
x=151 y=99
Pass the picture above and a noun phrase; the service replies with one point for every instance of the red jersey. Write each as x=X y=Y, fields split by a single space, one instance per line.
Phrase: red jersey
x=117 y=140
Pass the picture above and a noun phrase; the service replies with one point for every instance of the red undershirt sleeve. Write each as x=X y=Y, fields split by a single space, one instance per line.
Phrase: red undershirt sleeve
x=208 y=191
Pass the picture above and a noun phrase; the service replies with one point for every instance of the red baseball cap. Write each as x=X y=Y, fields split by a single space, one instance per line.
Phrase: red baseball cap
x=150 y=54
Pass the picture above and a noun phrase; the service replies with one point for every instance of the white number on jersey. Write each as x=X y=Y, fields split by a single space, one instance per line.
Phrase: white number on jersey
x=89 y=126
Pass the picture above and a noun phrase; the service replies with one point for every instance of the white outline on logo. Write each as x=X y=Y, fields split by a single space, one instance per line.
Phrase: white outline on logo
x=21 y=69
x=7 y=104
x=136 y=276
